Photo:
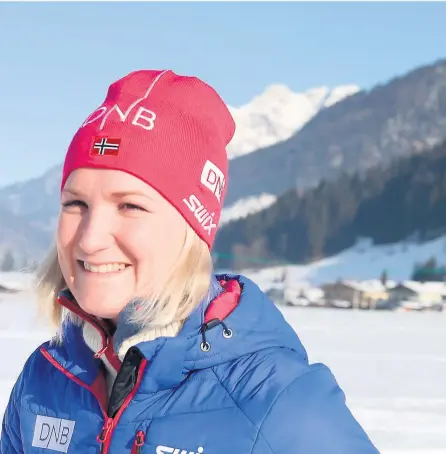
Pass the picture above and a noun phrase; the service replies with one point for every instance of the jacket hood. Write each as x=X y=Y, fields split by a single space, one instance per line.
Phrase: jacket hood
x=253 y=323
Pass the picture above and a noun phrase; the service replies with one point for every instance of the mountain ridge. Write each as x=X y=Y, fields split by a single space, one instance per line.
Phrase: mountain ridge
x=403 y=116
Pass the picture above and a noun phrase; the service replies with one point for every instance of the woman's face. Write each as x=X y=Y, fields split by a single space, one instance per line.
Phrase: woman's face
x=116 y=237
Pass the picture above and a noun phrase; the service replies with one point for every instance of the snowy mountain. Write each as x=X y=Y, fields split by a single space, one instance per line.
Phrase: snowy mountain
x=372 y=127
x=36 y=198
x=20 y=240
x=271 y=117
x=278 y=113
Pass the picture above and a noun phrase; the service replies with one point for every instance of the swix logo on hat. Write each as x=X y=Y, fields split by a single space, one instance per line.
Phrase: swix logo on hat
x=170 y=131
x=213 y=178
x=105 y=146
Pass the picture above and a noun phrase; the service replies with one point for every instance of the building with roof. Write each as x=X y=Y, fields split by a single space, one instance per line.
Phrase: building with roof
x=424 y=294
x=358 y=294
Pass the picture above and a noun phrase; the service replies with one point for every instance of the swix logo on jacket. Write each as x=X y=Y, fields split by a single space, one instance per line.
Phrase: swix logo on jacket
x=236 y=379
x=168 y=450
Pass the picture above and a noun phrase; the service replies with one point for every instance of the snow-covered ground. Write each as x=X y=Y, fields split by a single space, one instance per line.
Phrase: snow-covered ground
x=21 y=332
x=392 y=366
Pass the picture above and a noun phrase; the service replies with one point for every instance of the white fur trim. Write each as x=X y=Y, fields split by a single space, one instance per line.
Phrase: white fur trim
x=170 y=330
x=92 y=337
x=94 y=340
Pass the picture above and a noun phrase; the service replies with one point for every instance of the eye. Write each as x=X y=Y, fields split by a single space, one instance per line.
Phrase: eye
x=74 y=203
x=133 y=207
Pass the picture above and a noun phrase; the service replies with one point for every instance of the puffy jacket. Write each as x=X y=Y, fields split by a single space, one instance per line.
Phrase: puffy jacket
x=236 y=379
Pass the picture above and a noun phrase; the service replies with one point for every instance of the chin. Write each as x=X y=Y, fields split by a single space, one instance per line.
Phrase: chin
x=101 y=307
x=100 y=312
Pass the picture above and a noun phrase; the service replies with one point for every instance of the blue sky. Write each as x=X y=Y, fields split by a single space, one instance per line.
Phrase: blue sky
x=58 y=59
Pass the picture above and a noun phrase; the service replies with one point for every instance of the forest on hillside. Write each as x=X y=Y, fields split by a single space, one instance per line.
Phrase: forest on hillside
x=387 y=203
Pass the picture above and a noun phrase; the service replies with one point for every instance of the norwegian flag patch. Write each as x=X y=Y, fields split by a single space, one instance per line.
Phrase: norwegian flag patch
x=105 y=146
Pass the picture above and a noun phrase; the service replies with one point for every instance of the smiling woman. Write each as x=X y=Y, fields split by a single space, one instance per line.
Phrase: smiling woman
x=112 y=246
x=112 y=249
x=153 y=352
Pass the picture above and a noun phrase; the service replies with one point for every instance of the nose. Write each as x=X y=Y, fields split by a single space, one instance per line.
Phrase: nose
x=95 y=232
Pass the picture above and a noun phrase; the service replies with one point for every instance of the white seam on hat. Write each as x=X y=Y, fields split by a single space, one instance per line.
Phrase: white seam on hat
x=124 y=115
x=157 y=78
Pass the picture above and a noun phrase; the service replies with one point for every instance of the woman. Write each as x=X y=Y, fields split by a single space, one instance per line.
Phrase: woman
x=154 y=353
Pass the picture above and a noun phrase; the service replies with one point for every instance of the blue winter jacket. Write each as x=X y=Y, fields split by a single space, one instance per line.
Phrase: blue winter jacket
x=243 y=386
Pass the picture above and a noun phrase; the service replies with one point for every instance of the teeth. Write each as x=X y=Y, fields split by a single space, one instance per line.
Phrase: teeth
x=106 y=268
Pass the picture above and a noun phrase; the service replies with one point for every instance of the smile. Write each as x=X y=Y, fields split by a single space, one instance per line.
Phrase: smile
x=103 y=268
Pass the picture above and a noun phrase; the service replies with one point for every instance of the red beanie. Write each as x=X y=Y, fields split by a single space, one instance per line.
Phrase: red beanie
x=168 y=130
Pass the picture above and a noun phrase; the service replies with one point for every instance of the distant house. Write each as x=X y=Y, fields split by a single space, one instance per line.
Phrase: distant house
x=14 y=282
x=303 y=295
x=5 y=288
x=423 y=293
x=356 y=294
x=297 y=294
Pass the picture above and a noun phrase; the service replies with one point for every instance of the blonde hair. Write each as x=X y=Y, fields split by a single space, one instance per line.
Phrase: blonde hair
x=171 y=300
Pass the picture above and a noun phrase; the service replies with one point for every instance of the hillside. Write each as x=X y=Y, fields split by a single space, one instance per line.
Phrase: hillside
x=386 y=204
x=398 y=118
x=20 y=242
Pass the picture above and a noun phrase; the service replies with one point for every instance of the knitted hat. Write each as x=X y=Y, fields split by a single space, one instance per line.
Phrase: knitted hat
x=170 y=131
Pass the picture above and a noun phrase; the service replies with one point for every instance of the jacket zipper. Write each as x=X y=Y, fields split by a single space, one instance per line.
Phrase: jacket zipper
x=138 y=443
x=104 y=437
x=111 y=422
x=106 y=428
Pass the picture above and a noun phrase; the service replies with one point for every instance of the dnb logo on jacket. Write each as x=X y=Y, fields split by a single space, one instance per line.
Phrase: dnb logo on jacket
x=53 y=433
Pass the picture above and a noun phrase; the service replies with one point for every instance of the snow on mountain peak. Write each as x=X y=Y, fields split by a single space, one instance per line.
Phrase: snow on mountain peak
x=274 y=92
x=278 y=113
x=339 y=93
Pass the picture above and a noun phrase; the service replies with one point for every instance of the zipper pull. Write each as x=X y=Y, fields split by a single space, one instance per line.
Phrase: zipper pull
x=102 y=437
x=102 y=350
x=139 y=441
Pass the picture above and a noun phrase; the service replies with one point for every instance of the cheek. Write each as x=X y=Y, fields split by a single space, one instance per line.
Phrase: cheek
x=143 y=242
x=156 y=243
x=66 y=232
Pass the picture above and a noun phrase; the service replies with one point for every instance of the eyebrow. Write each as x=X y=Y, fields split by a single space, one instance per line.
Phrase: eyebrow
x=118 y=194
x=71 y=191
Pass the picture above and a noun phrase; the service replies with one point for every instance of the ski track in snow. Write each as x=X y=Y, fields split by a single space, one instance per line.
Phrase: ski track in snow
x=392 y=366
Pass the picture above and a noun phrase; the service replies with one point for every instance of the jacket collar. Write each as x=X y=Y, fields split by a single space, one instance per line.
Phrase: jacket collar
x=167 y=354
